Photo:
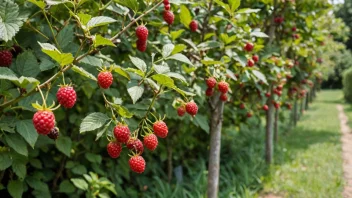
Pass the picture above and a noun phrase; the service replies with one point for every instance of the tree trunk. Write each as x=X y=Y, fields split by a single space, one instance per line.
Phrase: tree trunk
x=276 y=126
x=301 y=109
x=307 y=100
x=269 y=133
x=295 y=114
x=217 y=108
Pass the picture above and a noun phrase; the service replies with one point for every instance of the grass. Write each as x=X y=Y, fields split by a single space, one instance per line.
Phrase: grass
x=308 y=161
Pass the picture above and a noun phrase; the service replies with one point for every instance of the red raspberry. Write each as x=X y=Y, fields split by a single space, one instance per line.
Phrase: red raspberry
x=276 y=104
x=168 y=17
x=267 y=95
x=105 y=79
x=160 y=129
x=150 y=141
x=181 y=111
x=223 y=87
x=265 y=108
x=211 y=82
x=114 y=149
x=54 y=133
x=249 y=114
x=137 y=164
x=122 y=133
x=44 y=121
x=167 y=7
x=295 y=36
x=192 y=108
x=250 y=63
x=5 y=58
x=166 y=2
x=255 y=58
x=294 y=29
x=242 y=106
x=66 y=96
x=209 y=92
x=279 y=87
x=142 y=33
x=141 y=45
x=223 y=97
x=249 y=47
x=135 y=145
x=193 y=25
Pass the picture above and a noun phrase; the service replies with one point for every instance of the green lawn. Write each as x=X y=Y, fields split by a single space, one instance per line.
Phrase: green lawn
x=309 y=163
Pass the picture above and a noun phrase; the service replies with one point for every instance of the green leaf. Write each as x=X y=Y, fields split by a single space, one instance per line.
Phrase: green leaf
x=224 y=5
x=93 y=121
x=247 y=11
x=65 y=36
x=80 y=183
x=160 y=69
x=234 y=4
x=92 y=60
x=62 y=58
x=209 y=44
x=135 y=91
x=102 y=131
x=17 y=143
x=119 y=9
x=131 y=4
x=179 y=48
x=66 y=187
x=98 y=40
x=7 y=74
x=19 y=167
x=26 y=129
x=181 y=58
x=83 y=72
x=39 y=3
x=122 y=72
x=185 y=16
x=46 y=64
x=176 y=34
x=260 y=76
x=177 y=76
x=163 y=79
x=139 y=63
x=84 y=18
x=167 y=49
x=5 y=160
x=64 y=145
x=99 y=21
x=122 y=111
x=202 y=121
x=15 y=188
x=94 y=158
x=10 y=20
x=36 y=163
x=79 y=169
x=259 y=34
x=38 y=185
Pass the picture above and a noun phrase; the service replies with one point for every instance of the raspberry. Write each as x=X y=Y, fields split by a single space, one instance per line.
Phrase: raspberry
x=135 y=145
x=242 y=106
x=105 y=79
x=137 y=164
x=249 y=114
x=181 y=111
x=223 y=87
x=114 y=149
x=44 y=121
x=54 y=133
x=294 y=29
x=265 y=108
x=193 y=25
x=255 y=58
x=166 y=2
x=295 y=36
x=167 y=7
x=250 y=63
x=279 y=87
x=191 y=108
x=223 y=97
x=141 y=45
x=150 y=141
x=267 y=94
x=66 y=96
x=5 y=58
x=209 y=92
x=142 y=33
x=160 y=129
x=168 y=17
x=122 y=133
x=276 y=105
x=211 y=82
x=249 y=47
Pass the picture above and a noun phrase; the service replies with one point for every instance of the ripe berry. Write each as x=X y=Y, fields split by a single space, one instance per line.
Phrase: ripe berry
x=276 y=105
x=142 y=33
x=122 y=133
x=249 y=114
x=168 y=17
x=250 y=63
x=223 y=87
x=223 y=97
x=242 y=106
x=192 y=108
x=209 y=92
x=114 y=149
x=141 y=45
x=137 y=164
x=193 y=25
x=54 y=133
x=249 y=47
x=105 y=79
x=279 y=87
x=160 y=129
x=265 y=108
x=255 y=58
x=295 y=36
x=211 y=82
x=166 y=2
x=181 y=111
x=294 y=29
x=5 y=58
x=66 y=96
x=267 y=94
x=44 y=121
x=135 y=145
x=150 y=141
x=167 y=7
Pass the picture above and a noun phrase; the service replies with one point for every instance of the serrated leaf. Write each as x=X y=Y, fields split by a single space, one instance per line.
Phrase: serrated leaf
x=64 y=145
x=80 y=183
x=160 y=69
x=117 y=8
x=122 y=111
x=182 y=92
x=7 y=74
x=260 y=76
x=247 y=11
x=94 y=158
x=122 y=72
x=98 y=40
x=179 y=48
x=139 y=63
x=167 y=49
x=93 y=121
x=135 y=71
x=15 y=188
x=132 y=4
x=177 y=76
x=185 y=16
x=259 y=34
x=234 y=4
x=209 y=45
x=19 y=168
x=65 y=36
x=135 y=91
x=27 y=65
x=99 y=21
x=92 y=60
x=83 y=72
x=102 y=131
x=17 y=143
x=62 y=58
x=39 y=3
x=163 y=79
x=26 y=129
x=202 y=121
x=5 y=160
x=84 y=18
x=10 y=20
x=66 y=187
x=176 y=34
x=181 y=58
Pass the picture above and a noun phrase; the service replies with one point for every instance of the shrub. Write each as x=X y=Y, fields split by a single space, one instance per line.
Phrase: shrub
x=347 y=85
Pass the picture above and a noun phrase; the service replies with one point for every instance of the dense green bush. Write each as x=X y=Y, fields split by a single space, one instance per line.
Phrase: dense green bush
x=347 y=85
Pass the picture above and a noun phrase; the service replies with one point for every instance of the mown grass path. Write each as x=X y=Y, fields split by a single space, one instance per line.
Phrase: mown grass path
x=309 y=163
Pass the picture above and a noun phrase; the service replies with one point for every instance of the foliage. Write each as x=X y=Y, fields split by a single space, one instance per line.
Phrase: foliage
x=347 y=85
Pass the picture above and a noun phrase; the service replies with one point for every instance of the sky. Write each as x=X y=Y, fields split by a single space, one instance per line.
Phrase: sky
x=336 y=1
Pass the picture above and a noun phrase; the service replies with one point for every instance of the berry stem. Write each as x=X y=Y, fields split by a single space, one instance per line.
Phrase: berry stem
x=41 y=93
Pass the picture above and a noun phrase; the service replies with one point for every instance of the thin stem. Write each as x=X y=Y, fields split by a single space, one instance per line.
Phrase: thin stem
x=41 y=93
x=106 y=5
x=51 y=29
